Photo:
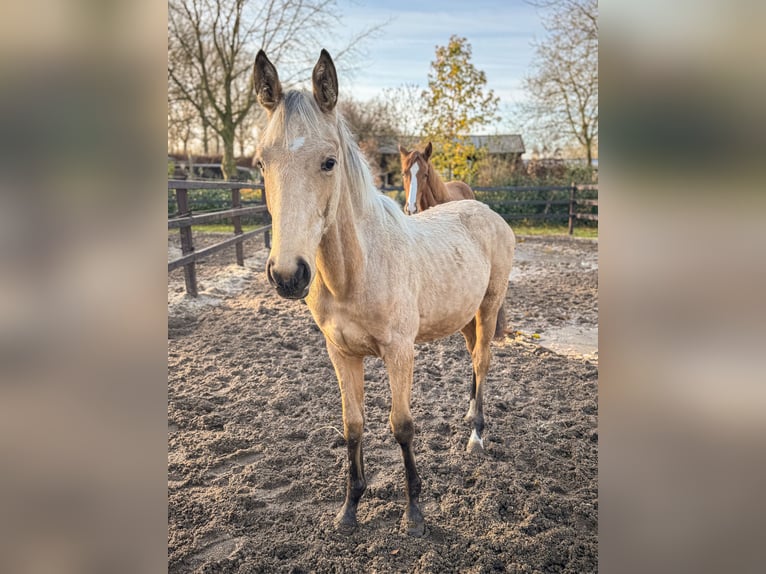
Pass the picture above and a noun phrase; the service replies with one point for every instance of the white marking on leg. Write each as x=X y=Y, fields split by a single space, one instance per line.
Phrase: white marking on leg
x=297 y=143
x=475 y=440
x=413 y=187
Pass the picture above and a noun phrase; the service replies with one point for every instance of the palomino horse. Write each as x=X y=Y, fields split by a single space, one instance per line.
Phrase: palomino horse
x=375 y=280
x=422 y=184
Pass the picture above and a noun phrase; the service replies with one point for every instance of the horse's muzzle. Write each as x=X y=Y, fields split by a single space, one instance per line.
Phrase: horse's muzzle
x=293 y=287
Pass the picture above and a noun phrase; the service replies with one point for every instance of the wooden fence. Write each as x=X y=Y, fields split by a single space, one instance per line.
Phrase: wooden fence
x=547 y=203
x=542 y=203
x=184 y=219
x=574 y=202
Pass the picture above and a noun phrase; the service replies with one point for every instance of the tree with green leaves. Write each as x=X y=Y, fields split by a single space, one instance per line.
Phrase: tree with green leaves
x=456 y=103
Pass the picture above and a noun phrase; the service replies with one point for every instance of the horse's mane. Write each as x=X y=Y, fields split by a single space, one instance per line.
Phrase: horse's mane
x=300 y=105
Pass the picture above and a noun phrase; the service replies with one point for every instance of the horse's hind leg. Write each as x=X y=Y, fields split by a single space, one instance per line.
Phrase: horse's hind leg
x=399 y=364
x=350 y=372
x=485 y=323
x=469 y=333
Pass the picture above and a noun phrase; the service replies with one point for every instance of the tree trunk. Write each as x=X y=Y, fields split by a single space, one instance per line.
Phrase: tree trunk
x=228 y=165
x=589 y=151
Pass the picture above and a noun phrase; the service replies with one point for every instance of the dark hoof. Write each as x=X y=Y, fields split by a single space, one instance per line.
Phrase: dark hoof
x=345 y=523
x=416 y=529
x=413 y=523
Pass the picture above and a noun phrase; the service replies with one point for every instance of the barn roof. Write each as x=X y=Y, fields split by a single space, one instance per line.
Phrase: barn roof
x=495 y=144
x=505 y=143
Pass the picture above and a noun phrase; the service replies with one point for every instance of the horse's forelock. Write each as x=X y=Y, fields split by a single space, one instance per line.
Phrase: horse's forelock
x=297 y=116
x=414 y=157
x=408 y=160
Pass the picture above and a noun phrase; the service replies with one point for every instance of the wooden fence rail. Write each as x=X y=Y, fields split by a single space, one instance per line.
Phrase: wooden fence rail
x=498 y=198
x=495 y=198
x=185 y=219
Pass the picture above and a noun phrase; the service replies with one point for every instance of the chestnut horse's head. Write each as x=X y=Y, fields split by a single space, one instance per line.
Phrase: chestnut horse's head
x=415 y=170
x=300 y=154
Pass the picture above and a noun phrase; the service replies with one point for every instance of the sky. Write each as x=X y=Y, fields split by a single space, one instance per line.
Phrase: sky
x=500 y=34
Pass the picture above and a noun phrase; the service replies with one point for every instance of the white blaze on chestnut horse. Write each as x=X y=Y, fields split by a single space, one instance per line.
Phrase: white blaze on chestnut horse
x=423 y=186
x=375 y=280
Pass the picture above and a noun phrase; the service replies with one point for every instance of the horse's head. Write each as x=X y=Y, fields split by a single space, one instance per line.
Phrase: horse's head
x=299 y=154
x=414 y=177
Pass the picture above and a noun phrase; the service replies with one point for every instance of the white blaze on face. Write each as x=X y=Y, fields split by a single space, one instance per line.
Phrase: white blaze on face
x=297 y=144
x=413 y=187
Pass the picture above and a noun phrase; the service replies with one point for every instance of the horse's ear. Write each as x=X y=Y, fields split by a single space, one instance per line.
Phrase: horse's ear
x=427 y=151
x=403 y=151
x=325 y=82
x=266 y=83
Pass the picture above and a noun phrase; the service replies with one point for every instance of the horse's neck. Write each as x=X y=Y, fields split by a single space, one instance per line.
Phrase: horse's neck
x=340 y=255
x=438 y=188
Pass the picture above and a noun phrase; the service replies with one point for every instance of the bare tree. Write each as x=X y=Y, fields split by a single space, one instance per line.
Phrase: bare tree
x=563 y=85
x=405 y=103
x=374 y=124
x=212 y=46
x=368 y=120
x=182 y=119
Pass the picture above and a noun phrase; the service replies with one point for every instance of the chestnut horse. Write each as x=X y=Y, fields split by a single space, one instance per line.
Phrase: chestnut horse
x=376 y=281
x=423 y=185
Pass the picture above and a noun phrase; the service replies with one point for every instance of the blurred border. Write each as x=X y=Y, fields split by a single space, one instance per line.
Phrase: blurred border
x=682 y=283
x=83 y=412
x=83 y=303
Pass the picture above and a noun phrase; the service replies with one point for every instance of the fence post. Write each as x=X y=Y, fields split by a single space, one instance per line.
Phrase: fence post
x=190 y=269
x=236 y=201
x=572 y=190
x=267 y=233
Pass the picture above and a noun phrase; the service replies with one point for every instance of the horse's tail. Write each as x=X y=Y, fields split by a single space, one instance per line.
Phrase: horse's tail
x=500 y=323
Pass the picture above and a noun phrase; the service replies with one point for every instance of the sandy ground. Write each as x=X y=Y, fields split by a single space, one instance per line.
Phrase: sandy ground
x=257 y=463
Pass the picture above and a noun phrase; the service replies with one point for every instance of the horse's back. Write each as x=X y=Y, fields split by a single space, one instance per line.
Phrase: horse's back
x=477 y=218
x=472 y=225
x=466 y=255
x=459 y=190
x=488 y=229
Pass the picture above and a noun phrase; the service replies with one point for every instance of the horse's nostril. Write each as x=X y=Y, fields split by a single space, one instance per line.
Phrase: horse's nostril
x=304 y=272
x=293 y=285
x=270 y=273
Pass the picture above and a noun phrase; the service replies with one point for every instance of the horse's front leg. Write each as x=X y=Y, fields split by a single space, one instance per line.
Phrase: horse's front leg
x=399 y=364
x=350 y=372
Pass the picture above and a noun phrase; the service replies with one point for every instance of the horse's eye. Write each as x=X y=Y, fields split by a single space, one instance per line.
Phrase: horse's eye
x=328 y=164
x=259 y=165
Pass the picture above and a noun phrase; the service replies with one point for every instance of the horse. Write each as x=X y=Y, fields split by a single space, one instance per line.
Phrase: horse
x=375 y=281
x=423 y=185
x=419 y=174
